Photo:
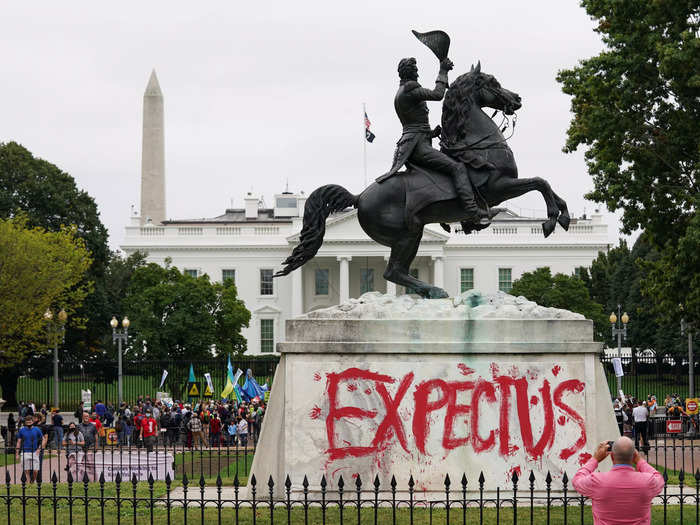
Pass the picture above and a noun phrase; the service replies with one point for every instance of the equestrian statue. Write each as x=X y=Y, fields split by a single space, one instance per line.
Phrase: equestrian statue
x=473 y=171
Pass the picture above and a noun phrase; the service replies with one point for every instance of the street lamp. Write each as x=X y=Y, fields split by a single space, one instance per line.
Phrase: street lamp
x=620 y=333
x=688 y=328
x=55 y=329
x=119 y=336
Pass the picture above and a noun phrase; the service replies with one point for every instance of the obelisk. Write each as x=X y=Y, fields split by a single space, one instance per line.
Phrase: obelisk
x=153 y=155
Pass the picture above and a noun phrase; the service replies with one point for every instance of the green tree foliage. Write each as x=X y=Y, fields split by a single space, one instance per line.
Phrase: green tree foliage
x=177 y=316
x=38 y=270
x=635 y=109
x=50 y=199
x=561 y=291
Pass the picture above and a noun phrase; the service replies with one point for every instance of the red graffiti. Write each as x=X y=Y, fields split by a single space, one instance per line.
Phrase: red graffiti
x=368 y=391
x=464 y=405
x=514 y=470
x=317 y=376
x=464 y=369
x=556 y=370
x=315 y=412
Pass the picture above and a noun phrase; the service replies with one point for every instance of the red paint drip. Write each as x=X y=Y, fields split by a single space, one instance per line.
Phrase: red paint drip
x=368 y=391
x=556 y=370
x=352 y=387
x=583 y=458
x=464 y=369
x=315 y=412
x=534 y=400
x=514 y=470
x=317 y=376
x=561 y=420
x=575 y=386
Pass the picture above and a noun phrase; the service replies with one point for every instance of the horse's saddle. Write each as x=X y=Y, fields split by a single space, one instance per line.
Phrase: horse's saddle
x=424 y=187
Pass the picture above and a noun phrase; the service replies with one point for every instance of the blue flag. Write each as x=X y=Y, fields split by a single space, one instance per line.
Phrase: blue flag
x=191 y=379
x=251 y=388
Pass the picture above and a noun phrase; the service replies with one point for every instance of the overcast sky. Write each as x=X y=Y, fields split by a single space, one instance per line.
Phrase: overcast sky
x=261 y=93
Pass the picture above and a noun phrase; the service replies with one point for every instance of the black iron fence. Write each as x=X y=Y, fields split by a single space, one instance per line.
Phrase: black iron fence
x=356 y=501
x=653 y=375
x=139 y=379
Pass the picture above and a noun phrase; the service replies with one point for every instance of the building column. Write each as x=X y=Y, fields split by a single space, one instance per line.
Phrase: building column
x=298 y=292
x=344 y=261
x=438 y=272
x=390 y=287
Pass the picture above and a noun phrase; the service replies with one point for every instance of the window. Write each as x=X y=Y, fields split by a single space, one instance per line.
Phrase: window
x=286 y=202
x=505 y=282
x=266 y=282
x=578 y=271
x=228 y=274
x=321 y=281
x=366 y=280
x=191 y=273
x=267 y=335
x=413 y=272
x=466 y=279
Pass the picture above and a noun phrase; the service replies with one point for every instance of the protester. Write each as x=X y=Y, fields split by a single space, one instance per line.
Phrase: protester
x=640 y=414
x=57 y=422
x=89 y=432
x=195 y=426
x=623 y=495
x=30 y=442
x=149 y=431
x=74 y=443
x=242 y=431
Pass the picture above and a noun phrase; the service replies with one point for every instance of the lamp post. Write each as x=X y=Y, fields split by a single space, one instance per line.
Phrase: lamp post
x=619 y=333
x=55 y=329
x=119 y=336
x=687 y=328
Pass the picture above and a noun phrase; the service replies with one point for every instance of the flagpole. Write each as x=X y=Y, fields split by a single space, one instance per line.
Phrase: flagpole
x=364 y=139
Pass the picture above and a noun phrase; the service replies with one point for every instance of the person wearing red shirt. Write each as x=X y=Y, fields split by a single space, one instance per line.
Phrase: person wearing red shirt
x=149 y=431
x=215 y=430
x=99 y=427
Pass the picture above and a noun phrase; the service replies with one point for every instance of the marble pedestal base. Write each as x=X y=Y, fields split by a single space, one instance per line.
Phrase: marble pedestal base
x=489 y=386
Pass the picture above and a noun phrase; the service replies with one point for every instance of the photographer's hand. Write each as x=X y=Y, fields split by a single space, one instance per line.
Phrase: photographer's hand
x=601 y=452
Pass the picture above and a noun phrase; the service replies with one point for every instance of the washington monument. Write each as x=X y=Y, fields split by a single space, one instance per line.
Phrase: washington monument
x=153 y=155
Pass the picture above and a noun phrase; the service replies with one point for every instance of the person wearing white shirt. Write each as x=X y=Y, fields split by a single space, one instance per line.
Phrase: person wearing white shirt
x=640 y=414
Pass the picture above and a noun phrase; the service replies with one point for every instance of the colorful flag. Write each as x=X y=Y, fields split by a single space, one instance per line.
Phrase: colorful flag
x=229 y=380
x=162 y=379
x=191 y=379
x=207 y=376
x=368 y=134
x=251 y=388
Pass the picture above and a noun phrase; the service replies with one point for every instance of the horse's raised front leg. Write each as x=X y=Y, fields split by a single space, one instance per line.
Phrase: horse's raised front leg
x=403 y=251
x=564 y=218
x=503 y=188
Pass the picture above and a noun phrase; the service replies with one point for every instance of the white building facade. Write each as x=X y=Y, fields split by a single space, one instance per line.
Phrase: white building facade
x=248 y=245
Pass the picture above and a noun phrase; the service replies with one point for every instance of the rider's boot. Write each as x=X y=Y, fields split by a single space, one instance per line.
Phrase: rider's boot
x=465 y=192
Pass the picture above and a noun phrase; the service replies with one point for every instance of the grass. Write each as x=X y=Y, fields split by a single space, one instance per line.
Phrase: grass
x=673 y=479
x=108 y=514
x=195 y=464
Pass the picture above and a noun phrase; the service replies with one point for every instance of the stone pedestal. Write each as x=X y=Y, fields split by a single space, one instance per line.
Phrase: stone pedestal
x=397 y=386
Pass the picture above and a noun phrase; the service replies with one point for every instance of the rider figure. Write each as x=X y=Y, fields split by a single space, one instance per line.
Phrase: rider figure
x=415 y=144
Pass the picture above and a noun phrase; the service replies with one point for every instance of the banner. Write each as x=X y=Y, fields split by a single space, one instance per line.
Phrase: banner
x=194 y=389
x=691 y=406
x=674 y=426
x=617 y=365
x=162 y=379
x=86 y=397
x=209 y=390
x=140 y=463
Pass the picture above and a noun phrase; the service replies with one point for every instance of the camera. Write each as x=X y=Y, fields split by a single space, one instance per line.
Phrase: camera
x=610 y=445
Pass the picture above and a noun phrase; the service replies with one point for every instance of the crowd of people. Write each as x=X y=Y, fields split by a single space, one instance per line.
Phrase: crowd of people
x=144 y=424
x=635 y=417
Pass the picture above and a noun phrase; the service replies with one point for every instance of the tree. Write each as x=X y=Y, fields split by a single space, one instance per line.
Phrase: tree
x=177 y=316
x=38 y=270
x=635 y=108
x=561 y=291
x=49 y=198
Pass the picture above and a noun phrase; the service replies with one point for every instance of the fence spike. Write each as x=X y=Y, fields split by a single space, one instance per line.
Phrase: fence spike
x=341 y=482
x=219 y=482
x=697 y=477
x=118 y=478
x=54 y=478
x=8 y=479
x=514 y=478
x=150 y=479
x=305 y=483
x=23 y=477
x=482 y=479
x=236 y=483
x=532 y=477
x=393 y=482
x=186 y=481
x=565 y=479
x=464 y=479
x=288 y=482
x=270 y=482
x=665 y=476
x=70 y=478
x=548 y=479
x=168 y=480
x=358 y=482
x=134 y=479
x=447 y=481
x=376 y=482
x=38 y=478
x=323 y=482
x=102 y=478
x=202 y=483
x=86 y=479
x=681 y=477
x=411 y=483
x=253 y=481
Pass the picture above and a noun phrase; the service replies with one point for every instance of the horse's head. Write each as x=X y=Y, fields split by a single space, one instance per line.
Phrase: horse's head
x=473 y=88
x=488 y=92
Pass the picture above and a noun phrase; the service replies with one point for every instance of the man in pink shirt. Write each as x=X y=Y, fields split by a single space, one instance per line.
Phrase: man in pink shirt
x=623 y=495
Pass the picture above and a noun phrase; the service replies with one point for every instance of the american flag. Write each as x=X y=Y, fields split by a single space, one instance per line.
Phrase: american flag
x=368 y=134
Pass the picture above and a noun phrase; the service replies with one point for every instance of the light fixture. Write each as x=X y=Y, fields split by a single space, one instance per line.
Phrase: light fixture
x=62 y=315
x=113 y=323
x=613 y=318
x=125 y=322
x=625 y=318
x=48 y=315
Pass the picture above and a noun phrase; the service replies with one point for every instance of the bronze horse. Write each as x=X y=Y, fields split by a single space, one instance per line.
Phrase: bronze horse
x=469 y=135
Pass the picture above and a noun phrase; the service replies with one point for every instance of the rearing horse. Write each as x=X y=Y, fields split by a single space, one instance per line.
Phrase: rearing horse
x=468 y=135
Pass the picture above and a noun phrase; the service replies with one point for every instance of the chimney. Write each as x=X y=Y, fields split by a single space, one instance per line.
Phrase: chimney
x=251 y=206
x=301 y=202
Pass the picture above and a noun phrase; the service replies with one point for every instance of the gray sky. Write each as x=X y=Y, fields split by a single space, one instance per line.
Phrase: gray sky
x=258 y=93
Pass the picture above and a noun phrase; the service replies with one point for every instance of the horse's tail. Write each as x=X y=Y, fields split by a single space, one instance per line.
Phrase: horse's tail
x=320 y=204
